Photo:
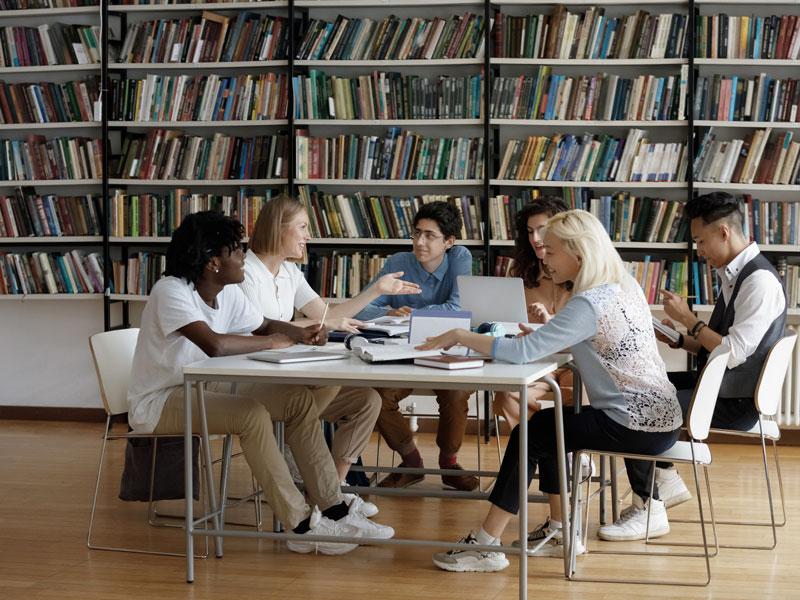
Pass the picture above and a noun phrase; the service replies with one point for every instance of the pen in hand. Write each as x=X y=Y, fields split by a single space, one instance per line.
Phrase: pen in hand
x=324 y=314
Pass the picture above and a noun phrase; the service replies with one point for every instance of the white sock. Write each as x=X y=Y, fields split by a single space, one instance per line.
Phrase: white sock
x=555 y=524
x=484 y=539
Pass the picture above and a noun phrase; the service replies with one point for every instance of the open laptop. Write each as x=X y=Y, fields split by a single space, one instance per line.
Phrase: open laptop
x=493 y=299
x=283 y=357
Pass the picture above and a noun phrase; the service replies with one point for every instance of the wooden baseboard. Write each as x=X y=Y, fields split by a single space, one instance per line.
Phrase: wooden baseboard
x=52 y=413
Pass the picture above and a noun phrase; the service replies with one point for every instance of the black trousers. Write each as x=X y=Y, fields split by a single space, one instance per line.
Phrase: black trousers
x=590 y=428
x=738 y=414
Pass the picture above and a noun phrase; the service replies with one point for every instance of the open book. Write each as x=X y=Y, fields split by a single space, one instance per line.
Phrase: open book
x=391 y=326
x=385 y=353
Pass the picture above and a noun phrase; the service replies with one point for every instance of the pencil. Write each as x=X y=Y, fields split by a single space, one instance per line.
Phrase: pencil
x=324 y=314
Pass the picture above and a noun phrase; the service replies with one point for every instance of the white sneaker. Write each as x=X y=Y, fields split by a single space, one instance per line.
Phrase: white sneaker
x=588 y=467
x=632 y=522
x=554 y=546
x=365 y=507
x=369 y=529
x=324 y=526
x=671 y=488
x=470 y=560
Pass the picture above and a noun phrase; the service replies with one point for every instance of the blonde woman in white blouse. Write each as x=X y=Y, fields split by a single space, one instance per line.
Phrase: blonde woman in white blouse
x=275 y=285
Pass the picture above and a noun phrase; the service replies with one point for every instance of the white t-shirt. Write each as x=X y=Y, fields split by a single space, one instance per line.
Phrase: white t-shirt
x=162 y=351
x=276 y=297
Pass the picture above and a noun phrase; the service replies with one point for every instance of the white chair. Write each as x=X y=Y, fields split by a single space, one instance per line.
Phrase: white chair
x=694 y=452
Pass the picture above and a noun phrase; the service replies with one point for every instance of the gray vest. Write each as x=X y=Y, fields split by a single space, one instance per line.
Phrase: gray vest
x=740 y=382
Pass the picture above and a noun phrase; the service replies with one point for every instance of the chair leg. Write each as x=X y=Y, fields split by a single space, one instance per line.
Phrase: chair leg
x=497 y=438
x=478 y=434
x=780 y=483
x=702 y=516
x=97 y=484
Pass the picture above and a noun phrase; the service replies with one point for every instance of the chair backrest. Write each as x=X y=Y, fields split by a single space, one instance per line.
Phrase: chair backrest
x=770 y=382
x=112 y=353
x=701 y=409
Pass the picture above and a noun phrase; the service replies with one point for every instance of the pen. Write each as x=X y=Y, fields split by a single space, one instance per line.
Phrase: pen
x=324 y=314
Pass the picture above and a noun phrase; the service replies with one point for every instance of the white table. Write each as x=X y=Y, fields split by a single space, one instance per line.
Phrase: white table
x=494 y=376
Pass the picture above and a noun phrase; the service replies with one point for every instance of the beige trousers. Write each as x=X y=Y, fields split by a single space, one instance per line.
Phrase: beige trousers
x=250 y=414
x=354 y=411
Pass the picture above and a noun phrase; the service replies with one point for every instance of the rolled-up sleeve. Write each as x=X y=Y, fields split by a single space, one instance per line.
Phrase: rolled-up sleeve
x=573 y=324
x=759 y=302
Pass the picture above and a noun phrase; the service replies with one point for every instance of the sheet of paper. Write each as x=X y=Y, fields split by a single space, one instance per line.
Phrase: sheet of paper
x=430 y=323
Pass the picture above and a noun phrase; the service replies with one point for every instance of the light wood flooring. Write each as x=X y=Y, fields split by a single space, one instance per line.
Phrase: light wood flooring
x=47 y=475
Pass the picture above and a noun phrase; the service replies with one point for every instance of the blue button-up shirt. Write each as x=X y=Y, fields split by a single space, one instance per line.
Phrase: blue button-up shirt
x=439 y=289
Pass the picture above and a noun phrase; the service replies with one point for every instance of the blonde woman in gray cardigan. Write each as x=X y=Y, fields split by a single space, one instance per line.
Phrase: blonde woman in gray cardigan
x=607 y=327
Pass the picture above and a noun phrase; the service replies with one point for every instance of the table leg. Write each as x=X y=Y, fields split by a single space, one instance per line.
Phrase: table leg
x=206 y=449
x=523 y=492
x=187 y=479
x=561 y=455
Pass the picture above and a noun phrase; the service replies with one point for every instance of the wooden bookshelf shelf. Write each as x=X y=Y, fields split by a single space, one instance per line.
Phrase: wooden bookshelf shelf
x=160 y=8
x=589 y=2
x=747 y=124
x=197 y=182
x=379 y=242
x=780 y=248
x=382 y=3
x=128 y=297
x=746 y=187
x=42 y=240
x=138 y=239
x=49 y=12
x=578 y=123
x=391 y=182
x=27 y=297
x=389 y=122
x=248 y=64
x=198 y=124
x=645 y=246
x=51 y=69
x=708 y=308
x=746 y=62
x=49 y=183
x=592 y=184
x=604 y=62
x=63 y=125
x=439 y=62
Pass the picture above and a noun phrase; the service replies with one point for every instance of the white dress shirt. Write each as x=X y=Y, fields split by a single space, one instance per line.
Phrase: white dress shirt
x=759 y=302
x=276 y=297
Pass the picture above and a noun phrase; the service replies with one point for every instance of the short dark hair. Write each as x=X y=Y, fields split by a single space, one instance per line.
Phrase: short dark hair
x=526 y=263
x=200 y=237
x=447 y=217
x=715 y=206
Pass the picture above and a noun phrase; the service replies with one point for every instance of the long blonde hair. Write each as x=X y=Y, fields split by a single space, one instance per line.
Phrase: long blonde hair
x=272 y=219
x=585 y=238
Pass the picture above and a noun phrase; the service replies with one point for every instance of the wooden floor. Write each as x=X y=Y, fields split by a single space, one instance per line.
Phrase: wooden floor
x=47 y=475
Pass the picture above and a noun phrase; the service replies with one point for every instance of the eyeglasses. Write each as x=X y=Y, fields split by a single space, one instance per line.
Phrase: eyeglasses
x=428 y=236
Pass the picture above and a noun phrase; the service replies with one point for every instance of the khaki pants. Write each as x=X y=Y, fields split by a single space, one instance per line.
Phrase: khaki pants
x=250 y=414
x=452 y=420
x=354 y=412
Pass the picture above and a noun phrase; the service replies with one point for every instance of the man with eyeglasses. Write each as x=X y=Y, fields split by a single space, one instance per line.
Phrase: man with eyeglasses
x=434 y=264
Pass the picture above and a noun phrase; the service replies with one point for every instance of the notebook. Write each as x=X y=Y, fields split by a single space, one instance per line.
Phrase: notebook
x=282 y=357
x=449 y=363
x=383 y=353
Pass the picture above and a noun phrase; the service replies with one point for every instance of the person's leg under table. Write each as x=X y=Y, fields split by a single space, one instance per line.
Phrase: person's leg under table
x=453 y=409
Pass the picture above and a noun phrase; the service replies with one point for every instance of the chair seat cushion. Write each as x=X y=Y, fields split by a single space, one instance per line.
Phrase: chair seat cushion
x=682 y=452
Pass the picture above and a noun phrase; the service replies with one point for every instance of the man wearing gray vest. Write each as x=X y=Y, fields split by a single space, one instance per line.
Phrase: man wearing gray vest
x=749 y=317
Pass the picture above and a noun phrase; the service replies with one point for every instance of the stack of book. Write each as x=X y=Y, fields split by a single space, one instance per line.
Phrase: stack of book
x=51 y=273
x=138 y=274
x=761 y=98
x=343 y=275
x=380 y=217
x=729 y=36
x=399 y=155
x=49 y=102
x=758 y=158
x=593 y=157
x=590 y=35
x=387 y=96
x=158 y=215
x=393 y=38
x=602 y=97
x=49 y=44
x=36 y=157
x=199 y=98
x=170 y=154
x=209 y=37
x=26 y=215
x=626 y=218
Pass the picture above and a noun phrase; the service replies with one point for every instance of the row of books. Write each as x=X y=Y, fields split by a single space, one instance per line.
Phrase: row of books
x=138 y=274
x=49 y=44
x=158 y=215
x=208 y=37
x=384 y=95
x=593 y=157
x=171 y=154
x=399 y=155
x=626 y=218
x=50 y=102
x=27 y=215
x=199 y=98
x=32 y=4
x=758 y=158
x=790 y=274
x=545 y=95
x=51 y=273
x=731 y=36
x=760 y=98
x=36 y=157
x=590 y=35
x=393 y=38
x=654 y=275
x=360 y=215
x=771 y=222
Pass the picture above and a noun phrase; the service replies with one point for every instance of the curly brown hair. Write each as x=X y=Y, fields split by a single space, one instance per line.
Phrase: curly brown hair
x=526 y=264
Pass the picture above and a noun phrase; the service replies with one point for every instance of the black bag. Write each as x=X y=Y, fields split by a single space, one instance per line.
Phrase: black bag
x=168 y=483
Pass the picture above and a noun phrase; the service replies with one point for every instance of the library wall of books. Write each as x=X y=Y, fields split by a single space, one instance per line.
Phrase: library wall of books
x=118 y=118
